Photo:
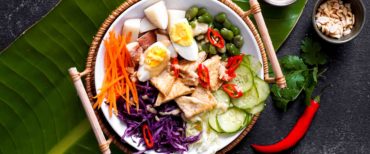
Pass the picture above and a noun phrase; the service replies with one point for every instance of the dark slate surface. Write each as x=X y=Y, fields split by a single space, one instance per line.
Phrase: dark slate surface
x=342 y=124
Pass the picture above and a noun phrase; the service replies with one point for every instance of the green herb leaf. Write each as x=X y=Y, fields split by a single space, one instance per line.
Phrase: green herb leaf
x=311 y=52
x=295 y=74
x=311 y=82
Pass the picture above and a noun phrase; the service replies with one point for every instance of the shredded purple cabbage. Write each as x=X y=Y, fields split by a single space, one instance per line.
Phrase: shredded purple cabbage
x=168 y=131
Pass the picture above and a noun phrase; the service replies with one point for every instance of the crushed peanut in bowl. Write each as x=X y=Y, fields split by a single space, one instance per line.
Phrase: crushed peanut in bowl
x=335 y=18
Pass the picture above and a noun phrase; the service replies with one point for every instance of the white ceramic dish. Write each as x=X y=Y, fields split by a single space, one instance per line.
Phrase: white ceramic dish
x=136 y=11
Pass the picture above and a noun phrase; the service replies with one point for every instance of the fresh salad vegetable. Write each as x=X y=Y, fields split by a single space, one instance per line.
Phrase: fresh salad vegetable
x=215 y=38
x=156 y=128
x=116 y=80
x=232 y=90
x=203 y=74
x=174 y=67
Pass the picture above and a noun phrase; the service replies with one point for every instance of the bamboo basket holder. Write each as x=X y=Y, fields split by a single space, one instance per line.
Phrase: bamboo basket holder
x=96 y=118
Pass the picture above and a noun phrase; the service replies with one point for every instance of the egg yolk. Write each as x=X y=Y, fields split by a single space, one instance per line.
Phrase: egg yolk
x=155 y=56
x=181 y=34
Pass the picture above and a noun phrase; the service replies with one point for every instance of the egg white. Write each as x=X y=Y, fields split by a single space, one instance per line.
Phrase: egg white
x=187 y=52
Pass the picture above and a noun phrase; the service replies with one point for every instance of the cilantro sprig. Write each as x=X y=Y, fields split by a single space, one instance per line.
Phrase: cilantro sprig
x=301 y=74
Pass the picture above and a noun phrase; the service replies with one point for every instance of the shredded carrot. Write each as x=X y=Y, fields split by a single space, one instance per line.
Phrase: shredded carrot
x=117 y=82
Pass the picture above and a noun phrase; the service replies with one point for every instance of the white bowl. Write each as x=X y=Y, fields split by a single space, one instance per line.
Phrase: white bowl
x=136 y=11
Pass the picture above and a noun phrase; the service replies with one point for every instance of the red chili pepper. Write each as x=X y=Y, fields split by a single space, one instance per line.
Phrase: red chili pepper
x=203 y=74
x=174 y=67
x=234 y=62
x=296 y=134
x=232 y=90
x=229 y=77
x=147 y=135
x=215 y=38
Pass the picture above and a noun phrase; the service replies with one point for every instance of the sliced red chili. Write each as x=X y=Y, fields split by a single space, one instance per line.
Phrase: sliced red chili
x=203 y=74
x=174 y=67
x=229 y=77
x=233 y=63
x=232 y=90
x=215 y=38
x=147 y=135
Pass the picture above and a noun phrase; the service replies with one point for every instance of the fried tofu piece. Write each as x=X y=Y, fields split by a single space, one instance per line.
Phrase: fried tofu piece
x=200 y=101
x=163 y=82
x=178 y=89
x=213 y=65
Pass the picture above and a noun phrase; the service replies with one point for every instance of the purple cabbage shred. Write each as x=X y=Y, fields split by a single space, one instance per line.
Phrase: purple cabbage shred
x=168 y=131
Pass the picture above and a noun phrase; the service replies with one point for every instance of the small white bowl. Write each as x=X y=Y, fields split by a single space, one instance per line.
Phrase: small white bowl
x=280 y=2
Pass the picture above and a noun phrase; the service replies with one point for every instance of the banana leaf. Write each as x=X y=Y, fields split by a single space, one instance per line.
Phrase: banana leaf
x=39 y=110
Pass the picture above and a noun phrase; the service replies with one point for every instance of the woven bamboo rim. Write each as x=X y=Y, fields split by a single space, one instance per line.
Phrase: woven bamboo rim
x=90 y=65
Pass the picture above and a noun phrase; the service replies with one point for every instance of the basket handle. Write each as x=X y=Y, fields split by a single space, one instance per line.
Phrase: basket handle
x=266 y=42
x=76 y=78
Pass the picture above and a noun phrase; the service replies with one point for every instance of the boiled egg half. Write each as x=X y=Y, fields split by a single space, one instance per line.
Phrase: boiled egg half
x=181 y=36
x=154 y=60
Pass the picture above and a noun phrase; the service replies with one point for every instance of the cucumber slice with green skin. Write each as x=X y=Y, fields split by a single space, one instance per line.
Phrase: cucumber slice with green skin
x=263 y=89
x=257 y=109
x=222 y=97
x=254 y=64
x=232 y=120
x=244 y=78
x=248 y=119
x=212 y=121
x=248 y=100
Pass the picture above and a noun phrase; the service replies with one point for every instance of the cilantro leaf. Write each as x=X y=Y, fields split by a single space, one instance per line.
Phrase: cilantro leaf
x=311 y=82
x=295 y=74
x=292 y=63
x=311 y=52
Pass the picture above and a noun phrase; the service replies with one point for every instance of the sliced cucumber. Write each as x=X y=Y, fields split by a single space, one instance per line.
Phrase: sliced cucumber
x=244 y=78
x=263 y=89
x=232 y=120
x=248 y=119
x=222 y=97
x=212 y=121
x=248 y=100
x=254 y=64
x=257 y=109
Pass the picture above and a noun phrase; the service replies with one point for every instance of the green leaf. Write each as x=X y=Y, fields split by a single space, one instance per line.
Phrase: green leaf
x=296 y=73
x=292 y=63
x=280 y=21
x=311 y=52
x=311 y=82
x=39 y=110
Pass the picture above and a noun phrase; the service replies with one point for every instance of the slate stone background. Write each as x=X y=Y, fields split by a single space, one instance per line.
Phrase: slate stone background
x=342 y=124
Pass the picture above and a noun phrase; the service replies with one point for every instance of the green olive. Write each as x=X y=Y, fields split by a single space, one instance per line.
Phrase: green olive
x=235 y=30
x=191 y=13
x=238 y=41
x=201 y=11
x=232 y=49
x=212 y=50
x=193 y=23
x=227 y=24
x=227 y=34
x=223 y=56
x=205 y=47
x=217 y=25
x=221 y=17
x=205 y=18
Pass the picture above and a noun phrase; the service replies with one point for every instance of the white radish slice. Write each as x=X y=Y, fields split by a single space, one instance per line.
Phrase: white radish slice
x=131 y=25
x=145 y=25
x=157 y=15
